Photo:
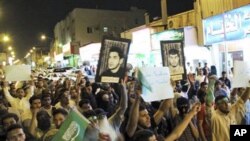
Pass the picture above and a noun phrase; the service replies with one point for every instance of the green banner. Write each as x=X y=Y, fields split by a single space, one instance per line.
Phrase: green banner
x=73 y=128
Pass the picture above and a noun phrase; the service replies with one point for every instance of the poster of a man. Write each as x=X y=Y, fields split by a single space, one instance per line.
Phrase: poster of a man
x=112 y=60
x=172 y=57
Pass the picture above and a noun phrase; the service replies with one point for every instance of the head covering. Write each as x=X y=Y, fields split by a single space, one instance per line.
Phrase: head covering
x=99 y=112
x=219 y=97
x=89 y=113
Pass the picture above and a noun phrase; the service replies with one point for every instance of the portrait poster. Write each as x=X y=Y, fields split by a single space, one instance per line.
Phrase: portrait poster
x=112 y=60
x=173 y=58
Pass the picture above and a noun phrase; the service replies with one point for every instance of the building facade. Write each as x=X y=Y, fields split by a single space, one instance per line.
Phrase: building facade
x=84 y=26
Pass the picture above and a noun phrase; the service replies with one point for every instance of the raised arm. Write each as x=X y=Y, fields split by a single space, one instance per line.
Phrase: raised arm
x=210 y=90
x=165 y=106
x=7 y=94
x=33 y=124
x=246 y=94
x=133 y=115
x=30 y=92
x=178 y=130
x=123 y=105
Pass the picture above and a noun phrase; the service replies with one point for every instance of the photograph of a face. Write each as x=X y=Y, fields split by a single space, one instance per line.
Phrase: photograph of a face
x=112 y=60
x=173 y=57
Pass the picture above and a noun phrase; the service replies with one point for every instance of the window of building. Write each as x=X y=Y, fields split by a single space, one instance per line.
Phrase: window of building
x=136 y=21
x=105 y=29
x=89 y=30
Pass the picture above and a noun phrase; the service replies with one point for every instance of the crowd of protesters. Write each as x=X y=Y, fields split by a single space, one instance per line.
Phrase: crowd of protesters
x=203 y=108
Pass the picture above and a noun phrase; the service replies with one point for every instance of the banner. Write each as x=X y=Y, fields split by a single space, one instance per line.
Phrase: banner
x=241 y=74
x=156 y=84
x=17 y=72
x=73 y=128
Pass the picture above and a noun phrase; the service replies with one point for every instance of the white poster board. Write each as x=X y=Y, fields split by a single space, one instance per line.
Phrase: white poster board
x=241 y=74
x=17 y=72
x=156 y=84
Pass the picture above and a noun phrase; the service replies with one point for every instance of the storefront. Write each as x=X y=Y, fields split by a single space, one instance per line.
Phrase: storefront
x=59 y=60
x=192 y=52
x=140 y=47
x=228 y=36
x=71 y=54
x=89 y=54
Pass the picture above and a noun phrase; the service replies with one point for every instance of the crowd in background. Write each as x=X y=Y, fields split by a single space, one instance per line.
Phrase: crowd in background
x=203 y=108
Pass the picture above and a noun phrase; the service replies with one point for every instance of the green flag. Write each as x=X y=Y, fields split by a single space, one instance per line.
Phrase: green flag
x=73 y=128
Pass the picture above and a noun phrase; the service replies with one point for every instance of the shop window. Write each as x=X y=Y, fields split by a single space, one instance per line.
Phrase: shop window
x=136 y=21
x=89 y=30
x=105 y=29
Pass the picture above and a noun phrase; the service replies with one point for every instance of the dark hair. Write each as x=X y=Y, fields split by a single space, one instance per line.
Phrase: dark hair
x=143 y=135
x=9 y=115
x=89 y=113
x=173 y=51
x=83 y=101
x=14 y=126
x=60 y=111
x=45 y=95
x=34 y=97
x=142 y=107
x=181 y=101
x=203 y=84
x=223 y=72
x=118 y=50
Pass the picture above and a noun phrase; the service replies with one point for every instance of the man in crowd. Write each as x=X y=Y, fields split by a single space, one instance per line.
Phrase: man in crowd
x=16 y=133
x=227 y=115
x=224 y=79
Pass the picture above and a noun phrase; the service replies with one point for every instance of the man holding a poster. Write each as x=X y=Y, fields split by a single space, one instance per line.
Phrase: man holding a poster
x=115 y=61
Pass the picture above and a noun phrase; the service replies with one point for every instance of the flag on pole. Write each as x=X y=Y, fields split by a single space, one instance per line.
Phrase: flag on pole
x=73 y=128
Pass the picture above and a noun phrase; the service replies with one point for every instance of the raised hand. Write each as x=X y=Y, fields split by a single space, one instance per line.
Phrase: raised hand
x=196 y=108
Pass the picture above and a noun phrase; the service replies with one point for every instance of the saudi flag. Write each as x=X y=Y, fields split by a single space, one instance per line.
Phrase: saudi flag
x=73 y=128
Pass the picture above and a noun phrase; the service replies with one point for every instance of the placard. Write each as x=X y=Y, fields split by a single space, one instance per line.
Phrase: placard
x=112 y=60
x=156 y=84
x=241 y=74
x=17 y=72
x=173 y=57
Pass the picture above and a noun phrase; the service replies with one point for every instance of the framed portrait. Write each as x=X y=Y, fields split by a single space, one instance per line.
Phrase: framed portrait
x=112 y=60
x=173 y=57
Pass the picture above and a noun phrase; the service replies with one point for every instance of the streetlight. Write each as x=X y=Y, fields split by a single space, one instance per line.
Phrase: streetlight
x=10 y=48
x=43 y=37
x=6 y=38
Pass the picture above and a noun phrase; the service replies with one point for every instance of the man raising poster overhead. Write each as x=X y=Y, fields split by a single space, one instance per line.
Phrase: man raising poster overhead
x=112 y=60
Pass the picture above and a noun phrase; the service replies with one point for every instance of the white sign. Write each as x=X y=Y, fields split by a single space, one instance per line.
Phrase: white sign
x=17 y=72
x=156 y=84
x=241 y=75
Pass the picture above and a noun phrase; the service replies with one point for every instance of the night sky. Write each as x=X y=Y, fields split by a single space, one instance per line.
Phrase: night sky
x=26 y=20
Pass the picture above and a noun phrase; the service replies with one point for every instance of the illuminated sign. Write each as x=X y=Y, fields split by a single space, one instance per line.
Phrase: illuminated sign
x=168 y=35
x=231 y=25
